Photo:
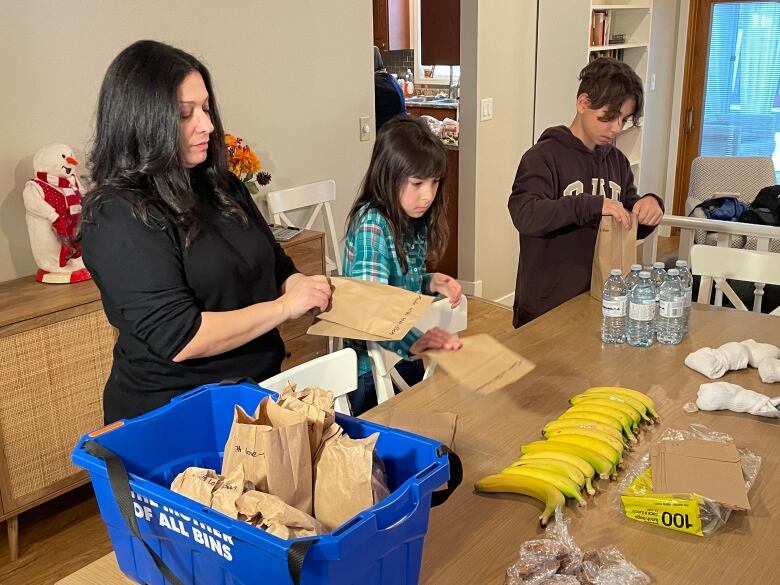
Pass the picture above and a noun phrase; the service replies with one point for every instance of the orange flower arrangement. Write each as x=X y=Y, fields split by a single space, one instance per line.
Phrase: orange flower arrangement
x=244 y=164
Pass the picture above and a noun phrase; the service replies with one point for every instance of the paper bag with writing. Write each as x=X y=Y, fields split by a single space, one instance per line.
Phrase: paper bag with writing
x=273 y=446
x=370 y=311
x=483 y=364
x=196 y=483
x=615 y=248
x=316 y=404
x=271 y=514
x=224 y=497
x=349 y=479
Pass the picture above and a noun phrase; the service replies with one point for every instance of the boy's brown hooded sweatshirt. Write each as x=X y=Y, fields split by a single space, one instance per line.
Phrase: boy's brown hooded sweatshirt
x=556 y=206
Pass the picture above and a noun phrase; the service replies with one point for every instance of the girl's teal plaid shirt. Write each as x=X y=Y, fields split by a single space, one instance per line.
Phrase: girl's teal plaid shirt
x=370 y=254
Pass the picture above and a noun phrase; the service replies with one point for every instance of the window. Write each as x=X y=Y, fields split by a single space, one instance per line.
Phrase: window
x=441 y=73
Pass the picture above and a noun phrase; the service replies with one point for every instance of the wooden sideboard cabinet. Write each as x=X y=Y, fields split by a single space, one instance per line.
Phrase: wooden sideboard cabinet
x=55 y=356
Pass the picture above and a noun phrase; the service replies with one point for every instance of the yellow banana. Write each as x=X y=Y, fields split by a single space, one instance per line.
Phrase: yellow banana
x=584 y=423
x=601 y=464
x=632 y=402
x=609 y=409
x=558 y=466
x=594 y=444
x=641 y=396
x=617 y=444
x=565 y=485
x=636 y=417
x=613 y=420
x=547 y=493
x=585 y=467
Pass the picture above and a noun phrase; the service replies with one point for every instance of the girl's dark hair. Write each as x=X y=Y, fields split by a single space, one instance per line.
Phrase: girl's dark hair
x=609 y=82
x=405 y=147
x=135 y=148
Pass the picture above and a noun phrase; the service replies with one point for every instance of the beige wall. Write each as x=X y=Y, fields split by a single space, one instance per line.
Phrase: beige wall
x=500 y=42
x=287 y=75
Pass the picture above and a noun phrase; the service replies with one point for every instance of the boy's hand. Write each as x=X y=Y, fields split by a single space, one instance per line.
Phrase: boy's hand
x=648 y=211
x=447 y=286
x=616 y=210
x=435 y=338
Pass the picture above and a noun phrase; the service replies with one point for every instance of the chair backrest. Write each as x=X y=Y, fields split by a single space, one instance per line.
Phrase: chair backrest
x=383 y=361
x=336 y=372
x=717 y=263
x=317 y=196
x=744 y=175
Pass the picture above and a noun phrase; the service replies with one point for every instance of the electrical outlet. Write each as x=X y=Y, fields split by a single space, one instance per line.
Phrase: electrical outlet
x=365 y=128
x=486 y=109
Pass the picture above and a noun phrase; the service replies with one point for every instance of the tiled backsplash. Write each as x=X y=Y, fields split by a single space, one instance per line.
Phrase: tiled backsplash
x=399 y=61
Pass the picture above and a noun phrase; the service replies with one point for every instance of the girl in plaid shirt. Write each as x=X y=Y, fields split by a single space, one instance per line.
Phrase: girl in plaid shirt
x=396 y=224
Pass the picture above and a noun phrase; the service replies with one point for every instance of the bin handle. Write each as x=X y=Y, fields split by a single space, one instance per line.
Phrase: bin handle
x=119 y=481
x=120 y=488
x=456 y=476
x=232 y=381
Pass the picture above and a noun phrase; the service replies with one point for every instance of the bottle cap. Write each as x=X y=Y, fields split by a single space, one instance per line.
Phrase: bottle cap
x=636 y=267
x=644 y=274
x=616 y=272
x=673 y=272
x=658 y=264
x=681 y=263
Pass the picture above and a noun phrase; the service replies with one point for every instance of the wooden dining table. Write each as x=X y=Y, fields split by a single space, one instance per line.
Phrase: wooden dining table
x=473 y=538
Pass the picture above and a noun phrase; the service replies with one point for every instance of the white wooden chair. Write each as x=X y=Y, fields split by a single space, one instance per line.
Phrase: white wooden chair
x=717 y=263
x=336 y=372
x=318 y=197
x=383 y=361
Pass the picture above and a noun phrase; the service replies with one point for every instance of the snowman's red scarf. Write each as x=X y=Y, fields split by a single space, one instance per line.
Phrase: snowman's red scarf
x=69 y=185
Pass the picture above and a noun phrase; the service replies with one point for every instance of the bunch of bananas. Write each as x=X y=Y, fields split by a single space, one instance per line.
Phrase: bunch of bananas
x=585 y=443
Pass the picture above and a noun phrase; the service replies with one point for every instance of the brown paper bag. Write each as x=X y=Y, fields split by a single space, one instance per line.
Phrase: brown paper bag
x=482 y=364
x=271 y=514
x=370 y=311
x=196 y=483
x=615 y=248
x=273 y=447
x=316 y=404
x=347 y=482
x=224 y=497
x=439 y=426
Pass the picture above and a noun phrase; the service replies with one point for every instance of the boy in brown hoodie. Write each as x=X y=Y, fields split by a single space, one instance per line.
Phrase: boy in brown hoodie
x=567 y=181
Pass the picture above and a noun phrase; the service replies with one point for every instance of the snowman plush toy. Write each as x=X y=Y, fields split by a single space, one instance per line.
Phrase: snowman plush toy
x=53 y=203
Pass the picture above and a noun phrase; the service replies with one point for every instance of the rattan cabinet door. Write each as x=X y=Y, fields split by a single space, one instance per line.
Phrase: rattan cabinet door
x=51 y=389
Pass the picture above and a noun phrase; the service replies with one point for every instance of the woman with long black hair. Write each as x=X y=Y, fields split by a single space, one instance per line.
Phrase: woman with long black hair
x=189 y=272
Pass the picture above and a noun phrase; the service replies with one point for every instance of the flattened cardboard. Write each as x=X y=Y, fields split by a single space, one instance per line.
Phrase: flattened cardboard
x=483 y=364
x=439 y=426
x=370 y=311
x=707 y=468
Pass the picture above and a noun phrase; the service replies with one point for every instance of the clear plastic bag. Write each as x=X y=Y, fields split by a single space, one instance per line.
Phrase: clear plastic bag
x=635 y=497
x=556 y=559
x=434 y=124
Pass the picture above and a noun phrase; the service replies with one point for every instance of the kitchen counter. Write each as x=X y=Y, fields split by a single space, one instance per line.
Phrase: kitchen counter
x=432 y=104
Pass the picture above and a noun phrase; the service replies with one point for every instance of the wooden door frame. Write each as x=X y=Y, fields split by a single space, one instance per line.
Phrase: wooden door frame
x=692 y=102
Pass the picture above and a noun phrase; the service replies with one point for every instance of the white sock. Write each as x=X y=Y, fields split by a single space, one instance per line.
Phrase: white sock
x=735 y=355
x=725 y=396
x=707 y=361
x=760 y=351
x=769 y=370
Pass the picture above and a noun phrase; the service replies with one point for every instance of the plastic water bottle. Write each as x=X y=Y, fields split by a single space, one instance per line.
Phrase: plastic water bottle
x=687 y=279
x=670 y=322
x=640 y=325
x=657 y=275
x=613 y=308
x=633 y=276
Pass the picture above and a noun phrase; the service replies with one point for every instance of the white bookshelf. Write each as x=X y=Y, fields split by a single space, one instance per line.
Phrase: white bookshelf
x=564 y=48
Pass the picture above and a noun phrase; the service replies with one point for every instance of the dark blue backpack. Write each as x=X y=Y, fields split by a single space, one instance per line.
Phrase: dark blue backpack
x=722 y=208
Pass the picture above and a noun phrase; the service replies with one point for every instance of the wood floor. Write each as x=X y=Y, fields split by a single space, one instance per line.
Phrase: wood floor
x=55 y=539
x=61 y=536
